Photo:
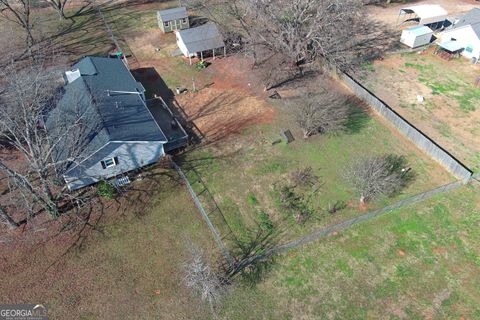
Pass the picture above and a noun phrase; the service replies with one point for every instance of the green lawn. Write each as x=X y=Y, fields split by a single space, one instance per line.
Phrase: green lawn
x=450 y=84
x=245 y=173
x=418 y=262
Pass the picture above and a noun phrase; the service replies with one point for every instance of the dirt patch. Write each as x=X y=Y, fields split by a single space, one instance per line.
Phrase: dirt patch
x=389 y=14
x=220 y=112
x=398 y=79
x=236 y=72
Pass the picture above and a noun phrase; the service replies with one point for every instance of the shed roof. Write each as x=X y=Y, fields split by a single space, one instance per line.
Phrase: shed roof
x=173 y=14
x=471 y=18
x=419 y=30
x=202 y=38
x=108 y=97
x=451 y=45
x=428 y=13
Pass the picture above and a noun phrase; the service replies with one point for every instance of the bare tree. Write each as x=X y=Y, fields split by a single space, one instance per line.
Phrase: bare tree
x=59 y=6
x=379 y=175
x=31 y=92
x=201 y=278
x=6 y=219
x=322 y=112
x=20 y=13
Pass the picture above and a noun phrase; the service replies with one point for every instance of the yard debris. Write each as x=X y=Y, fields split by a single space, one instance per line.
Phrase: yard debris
x=180 y=90
x=275 y=95
x=276 y=142
x=287 y=135
x=420 y=99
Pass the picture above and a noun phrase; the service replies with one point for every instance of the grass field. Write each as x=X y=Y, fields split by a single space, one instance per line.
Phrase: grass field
x=129 y=268
x=450 y=113
x=244 y=173
x=418 y=262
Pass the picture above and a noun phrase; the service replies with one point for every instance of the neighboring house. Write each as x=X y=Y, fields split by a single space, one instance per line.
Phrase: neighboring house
x=416 y=36
x=463 y=36
x=195 y=41
x=173 y=19
x=114 y=132
x=432 y=15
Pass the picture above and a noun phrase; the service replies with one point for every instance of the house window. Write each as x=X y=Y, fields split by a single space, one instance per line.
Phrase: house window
x=166 y=23
x=109 y=162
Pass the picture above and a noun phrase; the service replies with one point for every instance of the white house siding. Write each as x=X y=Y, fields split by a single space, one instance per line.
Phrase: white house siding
x=466 y=37
x=182 y=47
x=413 y=41
x=131 y=156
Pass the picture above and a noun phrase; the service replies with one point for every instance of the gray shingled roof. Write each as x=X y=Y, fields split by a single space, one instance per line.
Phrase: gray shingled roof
x=173 y=14
x=202 y=38
x=471 y=18
x=106 y=115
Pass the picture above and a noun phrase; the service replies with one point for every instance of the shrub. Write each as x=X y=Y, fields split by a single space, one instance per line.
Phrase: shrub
x=266 y=223
x=295 y=204
x=106 y=190
x=252 y=199
x=304 y=177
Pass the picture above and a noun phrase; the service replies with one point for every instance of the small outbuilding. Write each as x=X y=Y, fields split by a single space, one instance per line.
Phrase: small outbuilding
x=173 y=19
x=195 y=42
x=463 y=37
x=425 y=14
x=417 y=36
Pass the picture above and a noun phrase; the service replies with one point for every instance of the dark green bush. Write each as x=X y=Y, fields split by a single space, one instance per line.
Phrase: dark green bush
x=266 y=223
x=106 y=190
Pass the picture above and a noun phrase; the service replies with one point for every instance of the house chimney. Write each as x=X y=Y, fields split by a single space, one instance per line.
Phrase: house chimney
x=72 y=75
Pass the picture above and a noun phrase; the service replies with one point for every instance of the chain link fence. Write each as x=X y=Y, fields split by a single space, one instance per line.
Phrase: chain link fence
x=211 y=213
x=367 y=216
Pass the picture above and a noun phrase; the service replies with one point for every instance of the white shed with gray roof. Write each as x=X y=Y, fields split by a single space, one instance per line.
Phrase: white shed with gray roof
x=195 y=41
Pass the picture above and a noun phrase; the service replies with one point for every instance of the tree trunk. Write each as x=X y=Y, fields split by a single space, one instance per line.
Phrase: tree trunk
x=61 y=12
x=363 y=201
x=6 y=219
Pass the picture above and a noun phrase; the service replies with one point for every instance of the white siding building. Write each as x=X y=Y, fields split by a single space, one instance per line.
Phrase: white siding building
x=416 y=36
x=464 y=36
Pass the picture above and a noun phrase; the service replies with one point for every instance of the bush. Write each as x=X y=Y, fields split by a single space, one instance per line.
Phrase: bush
x=295 y=204
x=252 y=199
x=106 y=190
x=304 y=177
x=266 y=223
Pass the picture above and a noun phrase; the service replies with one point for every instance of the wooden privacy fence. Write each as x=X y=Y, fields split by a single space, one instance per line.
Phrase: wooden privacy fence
x=420 y=139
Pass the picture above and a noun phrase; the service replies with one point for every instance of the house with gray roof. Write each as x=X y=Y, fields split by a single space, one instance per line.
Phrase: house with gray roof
x=463 y=36
x=102 y=128
x=173 y=19
x=194 y=42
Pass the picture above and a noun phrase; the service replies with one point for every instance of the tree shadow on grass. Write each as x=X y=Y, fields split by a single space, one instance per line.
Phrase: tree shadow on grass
x=358 y=117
